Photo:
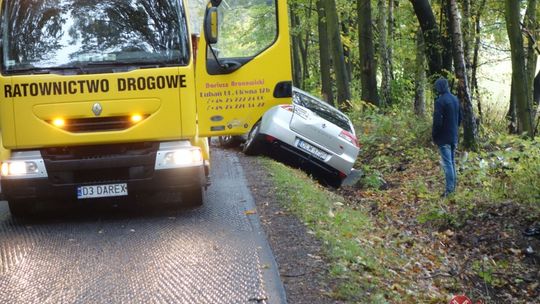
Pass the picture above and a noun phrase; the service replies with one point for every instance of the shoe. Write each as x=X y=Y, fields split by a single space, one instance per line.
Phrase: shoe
x=447 y=194
x=532 y=231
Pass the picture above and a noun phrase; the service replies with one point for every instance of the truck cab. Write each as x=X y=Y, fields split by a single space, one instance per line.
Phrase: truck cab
x=105 y=99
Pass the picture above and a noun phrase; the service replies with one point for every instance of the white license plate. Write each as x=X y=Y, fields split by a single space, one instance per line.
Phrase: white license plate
x=96 y=191
x=313 y=150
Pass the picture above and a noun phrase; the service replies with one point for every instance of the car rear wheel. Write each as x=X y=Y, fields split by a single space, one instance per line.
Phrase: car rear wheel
x=229 y=141
x=253 y=144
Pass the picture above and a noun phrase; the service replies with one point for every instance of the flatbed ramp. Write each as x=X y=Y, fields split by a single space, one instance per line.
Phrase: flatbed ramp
x=217 y=253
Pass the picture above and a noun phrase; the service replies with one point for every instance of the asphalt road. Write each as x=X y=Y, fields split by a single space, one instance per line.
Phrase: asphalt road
x=143 y=252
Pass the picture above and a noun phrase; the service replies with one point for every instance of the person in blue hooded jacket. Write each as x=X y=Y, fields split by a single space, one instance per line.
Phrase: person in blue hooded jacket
x=446 y=122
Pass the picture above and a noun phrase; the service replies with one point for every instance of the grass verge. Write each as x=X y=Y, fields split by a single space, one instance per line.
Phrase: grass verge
x=358 y=256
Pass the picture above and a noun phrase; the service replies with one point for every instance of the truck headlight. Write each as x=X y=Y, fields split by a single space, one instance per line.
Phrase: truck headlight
x=179 y=158
x=184 y=157
x=18 y=168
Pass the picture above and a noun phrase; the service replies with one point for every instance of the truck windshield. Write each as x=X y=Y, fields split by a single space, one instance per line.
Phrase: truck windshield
x=78 y=35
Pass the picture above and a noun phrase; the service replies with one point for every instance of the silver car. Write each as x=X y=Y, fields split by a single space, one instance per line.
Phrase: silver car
x=309 y=133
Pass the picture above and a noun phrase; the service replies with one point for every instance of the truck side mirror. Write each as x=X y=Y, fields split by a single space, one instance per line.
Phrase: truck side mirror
x=215 y=3
x=211 y=25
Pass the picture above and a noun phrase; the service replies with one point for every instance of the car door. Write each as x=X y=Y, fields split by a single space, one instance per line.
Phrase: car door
x=248 y=69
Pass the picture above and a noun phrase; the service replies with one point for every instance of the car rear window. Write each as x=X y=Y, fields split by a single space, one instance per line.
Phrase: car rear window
x=322 y=109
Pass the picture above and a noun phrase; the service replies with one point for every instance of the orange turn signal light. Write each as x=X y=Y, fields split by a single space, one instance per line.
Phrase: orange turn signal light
x=135 y=118
x=59 y=122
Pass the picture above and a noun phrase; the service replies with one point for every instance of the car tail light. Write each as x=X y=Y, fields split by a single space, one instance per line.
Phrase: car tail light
x=349 y=137
x=270 y=138
x=287 y=107
x=296 y=110
x=342 y=175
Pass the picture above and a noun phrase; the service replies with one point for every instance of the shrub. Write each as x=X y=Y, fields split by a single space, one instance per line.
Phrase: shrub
x=524 y=179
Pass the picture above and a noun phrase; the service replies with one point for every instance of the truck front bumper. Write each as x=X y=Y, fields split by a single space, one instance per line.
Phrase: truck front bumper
x=162 y=180
x=141 y=168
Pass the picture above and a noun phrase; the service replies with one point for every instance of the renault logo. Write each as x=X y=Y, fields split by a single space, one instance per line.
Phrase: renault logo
x=96 y=108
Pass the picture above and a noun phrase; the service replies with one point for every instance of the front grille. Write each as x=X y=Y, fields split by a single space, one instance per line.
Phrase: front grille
x=100 y=163
x=99 y=151
x=93 y=124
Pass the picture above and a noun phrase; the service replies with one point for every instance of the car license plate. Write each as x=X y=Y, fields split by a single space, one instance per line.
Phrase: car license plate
x=96 y=191
x=313 y=150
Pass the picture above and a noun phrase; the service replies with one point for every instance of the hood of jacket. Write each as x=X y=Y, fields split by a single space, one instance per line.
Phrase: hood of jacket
x=441 y=86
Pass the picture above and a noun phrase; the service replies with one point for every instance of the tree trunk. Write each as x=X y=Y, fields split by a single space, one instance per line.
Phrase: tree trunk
x=304 y=47
x=324 y=55
x=430 y=30
x=334 y=37
x=511 y=115
x=531 y=24
x=367 y=53
x=303 y=68
x=420 y=77
x=345 y=30
x=476 y=58
x=469 y=122
x=468 y=36
x=519 y=73
x=297 y=64
x=390 y=46
x=446 y=38
x=536 y=99
x=386 y=93
x=536 y=89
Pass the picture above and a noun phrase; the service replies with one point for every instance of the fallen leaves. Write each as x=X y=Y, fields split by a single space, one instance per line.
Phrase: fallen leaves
x=515 y=251
x=331 y=213
x=436 y=259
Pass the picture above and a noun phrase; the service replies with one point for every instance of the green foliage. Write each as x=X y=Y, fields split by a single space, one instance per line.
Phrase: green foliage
x=398 y=130
x=507 y=168
x=487 y=270
x=494 y=46
x=504 y=168
x=373 y=179
x=402 y=89
x=522 y=158
x=439 y=216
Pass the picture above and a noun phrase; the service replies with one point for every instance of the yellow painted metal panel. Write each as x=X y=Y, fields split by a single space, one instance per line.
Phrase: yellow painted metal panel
x=160 y=92
x=4 y=153
x=202 y=142
x=110 y=108
x=7 y=120
x=231 y=104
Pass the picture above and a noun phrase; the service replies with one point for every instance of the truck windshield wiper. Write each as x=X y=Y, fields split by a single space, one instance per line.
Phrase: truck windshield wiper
x=44 y=70
x=144 y=63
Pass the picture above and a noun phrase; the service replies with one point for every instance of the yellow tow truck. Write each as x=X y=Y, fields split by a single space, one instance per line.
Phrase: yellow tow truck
x=113 y=98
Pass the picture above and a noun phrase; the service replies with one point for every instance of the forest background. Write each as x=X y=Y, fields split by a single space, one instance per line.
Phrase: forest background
x=393 y=239
x=380 y=51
